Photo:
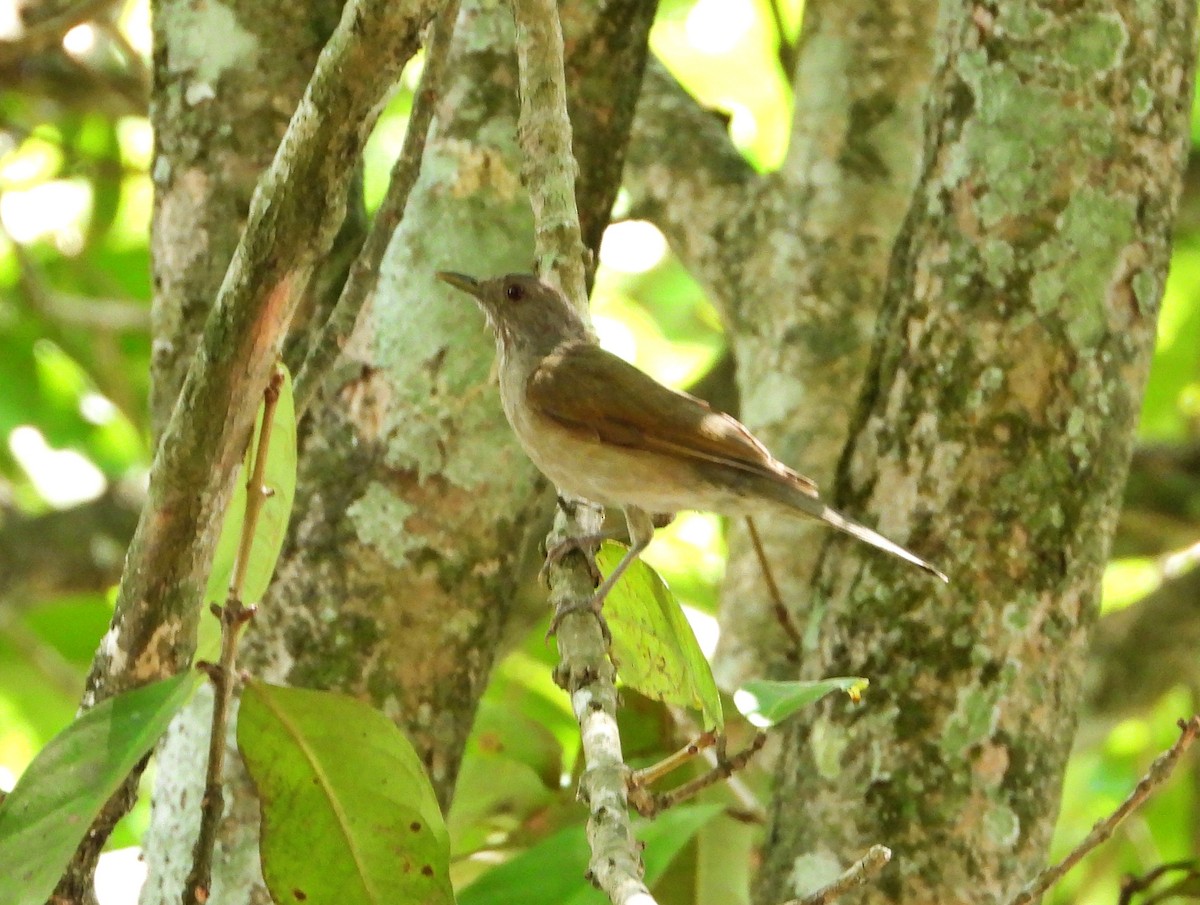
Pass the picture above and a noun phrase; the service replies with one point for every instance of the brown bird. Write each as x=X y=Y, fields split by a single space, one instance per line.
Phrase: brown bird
x=603 y=431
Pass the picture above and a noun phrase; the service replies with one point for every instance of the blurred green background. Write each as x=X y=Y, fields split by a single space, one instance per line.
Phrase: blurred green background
x=75 y=201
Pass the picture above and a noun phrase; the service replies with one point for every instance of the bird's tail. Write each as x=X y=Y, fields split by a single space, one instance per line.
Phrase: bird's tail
x=816 y=507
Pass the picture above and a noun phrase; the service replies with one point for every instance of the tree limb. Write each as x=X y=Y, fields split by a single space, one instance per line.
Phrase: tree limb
x=296 y=210
x=585 y=669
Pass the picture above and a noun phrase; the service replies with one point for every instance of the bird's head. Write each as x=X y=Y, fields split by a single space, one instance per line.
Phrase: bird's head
x=525 y=314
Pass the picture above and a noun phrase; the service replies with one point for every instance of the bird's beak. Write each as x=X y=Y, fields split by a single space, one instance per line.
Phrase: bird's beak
x=467 y=284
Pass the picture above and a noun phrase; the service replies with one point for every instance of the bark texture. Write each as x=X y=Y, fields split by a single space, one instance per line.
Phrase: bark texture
x=994 y=436
x=414 y=506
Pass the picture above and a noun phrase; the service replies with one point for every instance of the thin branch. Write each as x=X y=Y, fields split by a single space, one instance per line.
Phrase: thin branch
x=673 y=762
x=296 y=211
x=651 y=804
x=38 y=298
x=749 y=809
x=1132 y=886
x=364 y=273
x=234 y=616
x=781 y=611
x=585 y=669
x=548 y=168
x=1158 y=773
x=858 y=874
x=107 y=315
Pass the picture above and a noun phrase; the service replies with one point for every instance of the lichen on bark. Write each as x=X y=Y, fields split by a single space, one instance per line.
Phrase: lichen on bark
x=994 y=436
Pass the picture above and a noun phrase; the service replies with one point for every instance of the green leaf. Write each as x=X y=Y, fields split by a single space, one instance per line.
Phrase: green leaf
x=766 y=703
x=511 y=768
x=348 y=814
x=655 y=648
x=552 y=872
x=44 y=818
x=269 y=532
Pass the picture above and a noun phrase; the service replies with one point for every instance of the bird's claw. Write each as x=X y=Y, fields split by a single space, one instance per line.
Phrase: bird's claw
x=592 y=604
x=569 y=545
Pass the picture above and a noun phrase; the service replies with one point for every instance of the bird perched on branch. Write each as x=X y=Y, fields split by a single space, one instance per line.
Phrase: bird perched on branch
x=603 y=431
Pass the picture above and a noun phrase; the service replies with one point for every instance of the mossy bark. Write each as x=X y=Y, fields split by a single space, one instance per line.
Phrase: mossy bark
x=994 y=437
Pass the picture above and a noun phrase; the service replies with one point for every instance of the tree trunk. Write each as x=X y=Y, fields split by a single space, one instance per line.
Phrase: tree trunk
x=994 y=437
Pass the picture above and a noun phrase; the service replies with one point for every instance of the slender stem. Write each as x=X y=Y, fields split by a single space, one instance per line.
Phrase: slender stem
x=1158 y=773
x=781 y=611
x=256 y=493
x=364 y=273
x=651 y=804
x=234 y=616
x=672 y=762
x=293 y=217
x=859 y=872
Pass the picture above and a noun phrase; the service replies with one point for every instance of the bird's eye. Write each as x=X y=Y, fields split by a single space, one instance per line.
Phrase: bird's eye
x=514 y=292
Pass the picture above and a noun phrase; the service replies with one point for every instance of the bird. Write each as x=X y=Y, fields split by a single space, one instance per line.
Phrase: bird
x=606 y=432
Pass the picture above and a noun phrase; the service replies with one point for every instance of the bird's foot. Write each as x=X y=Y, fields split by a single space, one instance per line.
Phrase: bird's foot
x=585 y=545
x=593 y=604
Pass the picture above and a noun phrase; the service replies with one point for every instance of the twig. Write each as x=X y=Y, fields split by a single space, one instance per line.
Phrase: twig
x=234 y=616
x=584 y=670
x=1131 y=886
x=673 y=762
x=749 y=809
x=548 y=168
x=364 y=273
x=650 y=804
x=859 y=873
x=781 y=611
x=1158 y=773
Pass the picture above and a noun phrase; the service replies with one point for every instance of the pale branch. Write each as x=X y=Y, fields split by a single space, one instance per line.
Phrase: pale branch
x=548 y=167
x=690 y=189
x=585 y=669
x=234 y=616
x=296 y=211
x=1158 y=774
x=856 y=875
x=364 y=273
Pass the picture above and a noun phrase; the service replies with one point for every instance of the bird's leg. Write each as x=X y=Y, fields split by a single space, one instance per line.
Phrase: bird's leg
x=584 y=544
x=641 y=532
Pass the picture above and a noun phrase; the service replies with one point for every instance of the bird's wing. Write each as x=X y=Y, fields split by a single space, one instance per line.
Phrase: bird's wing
x=597 y=395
